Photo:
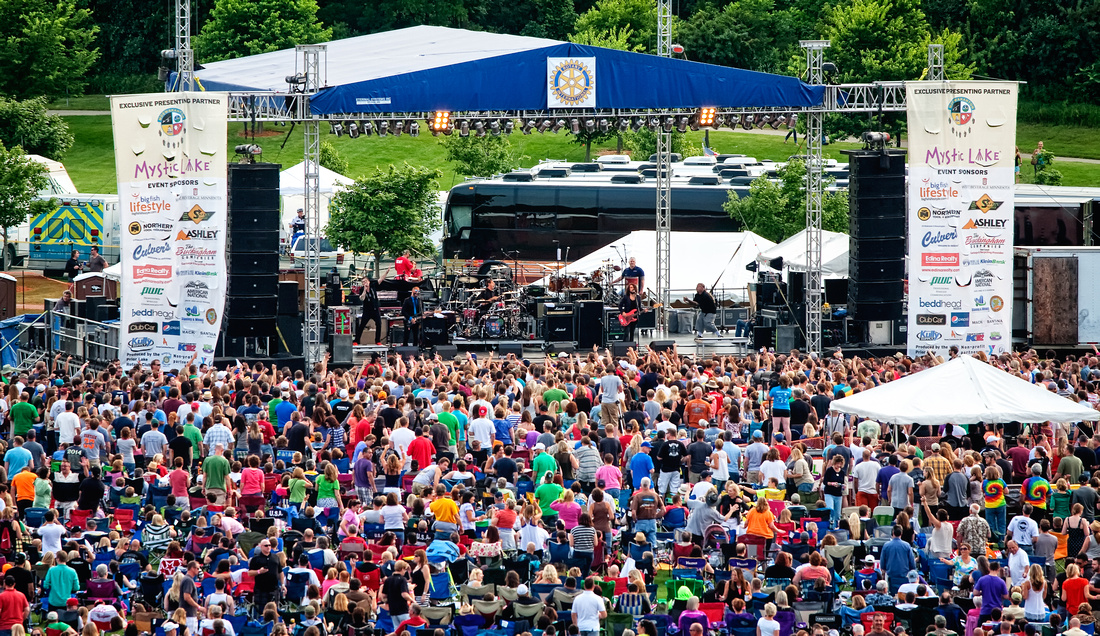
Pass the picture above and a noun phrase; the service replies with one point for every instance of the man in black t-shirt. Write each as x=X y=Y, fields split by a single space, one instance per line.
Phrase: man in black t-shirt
x=670 y=457
x=506 y=467
x=708 y=309
x=395 y=589
x=342 y=408
x=180 y=446
x=268 y=576
x=698 y=455
x=296 y=437
x=91 y=491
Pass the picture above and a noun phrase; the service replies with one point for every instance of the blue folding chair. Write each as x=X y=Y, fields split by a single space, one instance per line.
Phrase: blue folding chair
x=560 y=552
x=674 y=519
x=317 y=560
x=33 y=516
x=741 y=626
x=208 y=585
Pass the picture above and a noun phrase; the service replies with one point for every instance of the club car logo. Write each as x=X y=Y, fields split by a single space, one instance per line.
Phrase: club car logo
x=142 y=327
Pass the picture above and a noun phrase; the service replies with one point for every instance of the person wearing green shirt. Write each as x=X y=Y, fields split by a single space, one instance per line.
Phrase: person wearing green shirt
x=214 y=470
x=43 y=488
x=23 y=416
x=328 y=488
x=553 y=393
x=296 y=488
x=448 y=419
x=192 y=432
x=62 y=583
x=543 y=463
x=548 y=493
x=275 y=401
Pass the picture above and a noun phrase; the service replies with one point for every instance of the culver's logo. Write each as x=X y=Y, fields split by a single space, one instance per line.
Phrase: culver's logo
x=936 y=238
x=144 y=251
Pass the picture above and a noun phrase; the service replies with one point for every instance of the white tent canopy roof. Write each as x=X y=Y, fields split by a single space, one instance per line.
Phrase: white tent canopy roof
x=963 y=391
x=113 y=272
x=697 y=257
x=834 y=253
x=291 y=180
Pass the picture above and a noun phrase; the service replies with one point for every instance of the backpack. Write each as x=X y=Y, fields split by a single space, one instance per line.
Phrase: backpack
x=6 y=542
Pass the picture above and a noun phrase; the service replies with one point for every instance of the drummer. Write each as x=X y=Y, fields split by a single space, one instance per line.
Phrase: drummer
x=633 y=275
x=487 y=297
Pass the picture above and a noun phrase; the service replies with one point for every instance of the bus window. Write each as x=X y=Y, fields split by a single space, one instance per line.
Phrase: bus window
x=578 y=209
x=535 y=208
x=460 y=216
x=495 y=207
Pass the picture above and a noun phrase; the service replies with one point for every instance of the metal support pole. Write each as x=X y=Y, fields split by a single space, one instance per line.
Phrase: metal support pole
x=815 y=192
x=311 y=328
x=664 y=179
x=935 y=63
x=185 y=57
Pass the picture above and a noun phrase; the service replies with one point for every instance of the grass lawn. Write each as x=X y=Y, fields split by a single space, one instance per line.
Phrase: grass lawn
x=90 y=162
x=84 y=102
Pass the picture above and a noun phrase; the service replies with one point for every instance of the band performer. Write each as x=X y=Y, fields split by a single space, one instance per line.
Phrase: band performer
x=630 y=302
x=369 y=297
x=633 y=275
x=411 y=311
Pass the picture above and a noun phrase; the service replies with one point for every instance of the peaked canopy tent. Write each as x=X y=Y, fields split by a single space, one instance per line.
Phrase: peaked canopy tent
x=963 y=391
x=698 y=257
x=428 y=68
x=834 y=253
x=292 y=189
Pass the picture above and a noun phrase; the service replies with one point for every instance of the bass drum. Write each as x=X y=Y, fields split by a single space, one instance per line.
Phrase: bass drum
x=493 y=326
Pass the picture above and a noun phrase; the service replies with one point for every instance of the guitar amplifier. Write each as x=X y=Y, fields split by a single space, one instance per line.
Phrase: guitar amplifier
x=559 y=309
x=559 y=328
x=615 y=331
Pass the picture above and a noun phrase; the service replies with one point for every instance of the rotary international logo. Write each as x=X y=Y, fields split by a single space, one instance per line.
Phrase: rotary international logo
x=572 y=83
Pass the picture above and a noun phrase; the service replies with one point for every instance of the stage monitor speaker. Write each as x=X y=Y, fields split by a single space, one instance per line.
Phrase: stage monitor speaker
x=763 y=337
x=788 y=337
x=661 y=345
x=589 y=323
x=446 y=351
x=245 y=346
x=505 y=348
x=254 y=284
x=289 y=334
x=618 y=349
x=288 y=298
x=92 y=305
x=255 y=326
x=796 y=287
x=433 y=332
x=560 y=329
x=407 y=352
x=239 y=307
x=253 y=263
x=395 y=331
x=560 y=347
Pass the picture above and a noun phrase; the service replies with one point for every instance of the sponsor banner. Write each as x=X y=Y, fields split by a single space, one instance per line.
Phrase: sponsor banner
x=170 y=156
x=571 y=82
x=961 y=189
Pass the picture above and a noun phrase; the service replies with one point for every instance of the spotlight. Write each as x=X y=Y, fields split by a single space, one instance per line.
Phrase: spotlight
x=296 y=80
x=558 y=125
x=681 y=124
x=575 y=126
x=668 y=124
x=746 y=122
x=780 y=120
x=248 y=149
x=367 y=127
x=398 y=127
x=479 y=128
x=528 y=126
x=414 y=129
x=590 y=125
x=509 y=126
x=336 y=128
x=168 y=54
x=637 y=124
x=543 y=125
x=494 y=128
x=828 y=68
x=441 y=122
x=706 y=118
x=654 y=123
x=353 y=130
x=162 y=73
x=464 y=128
x=624 y=124
x=383 y=128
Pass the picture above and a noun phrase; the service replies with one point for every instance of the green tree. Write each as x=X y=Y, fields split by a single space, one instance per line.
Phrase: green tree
x=331 y=159
x=46 y=47
x=615 y=38
x=643 y=142
x=387 y=212
x=777 y=211
x=552 y=19
x=238 y=28
x=355 y=17
x=1045 y=172
x=749 y=34
x=132 y=34
x=21 y=178
x=480 y=156
x=28 y=124
x=636 y=19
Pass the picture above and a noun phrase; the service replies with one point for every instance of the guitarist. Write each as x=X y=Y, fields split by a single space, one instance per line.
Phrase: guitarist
x=630 y=302
x=411 y=310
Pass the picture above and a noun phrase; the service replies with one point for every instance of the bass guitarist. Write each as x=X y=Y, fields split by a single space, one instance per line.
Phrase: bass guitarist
x=631 y=302
x=411 y=311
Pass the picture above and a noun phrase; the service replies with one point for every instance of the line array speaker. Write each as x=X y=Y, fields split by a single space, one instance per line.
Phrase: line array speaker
x=589 y=323
x=876 y=228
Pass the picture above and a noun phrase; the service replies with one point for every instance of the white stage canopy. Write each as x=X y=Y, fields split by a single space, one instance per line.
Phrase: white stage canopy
x=834 y=253
x=292 y=189
x=697 y=257
x=963 y=391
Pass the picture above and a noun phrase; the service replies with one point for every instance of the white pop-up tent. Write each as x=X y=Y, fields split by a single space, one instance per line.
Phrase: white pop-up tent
x=697 y=257
x=963 y=391
x=834 y=253
x=292 y=189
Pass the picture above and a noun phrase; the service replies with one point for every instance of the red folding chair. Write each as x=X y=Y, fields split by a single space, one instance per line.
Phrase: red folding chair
x=79 y=518
x=124 y=519
x=376 y=551
x=408 y=550
x=868 y=620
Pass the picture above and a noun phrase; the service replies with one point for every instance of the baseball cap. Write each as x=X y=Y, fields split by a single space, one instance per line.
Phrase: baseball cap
x=1017 y=597
x=913 y=576
x=169 y=625
x=869 y=559
x=647 y=445
x=540 y=446
x=935 y=446
x=758 y=434
x=522 y=590
x=343 y=393
x=51 y=617
x=72 y=601
x=778 y=437
x=706 y=473
x=702 y=422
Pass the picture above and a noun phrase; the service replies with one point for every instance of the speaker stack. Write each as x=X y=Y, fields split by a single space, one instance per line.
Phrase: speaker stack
x=876 y=230
x=590 y=319
x=252 y=299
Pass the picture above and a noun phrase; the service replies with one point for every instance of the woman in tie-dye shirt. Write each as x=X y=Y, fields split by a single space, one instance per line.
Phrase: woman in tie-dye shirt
x=993 y=488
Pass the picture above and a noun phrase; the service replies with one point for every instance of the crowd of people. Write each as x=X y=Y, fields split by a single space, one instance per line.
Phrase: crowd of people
x=649 y=494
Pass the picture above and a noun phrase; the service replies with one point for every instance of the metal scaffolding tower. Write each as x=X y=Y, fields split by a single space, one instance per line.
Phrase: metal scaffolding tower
x=185 y=57
x=311 y=328
x=664 y=178
x=935 y=63
x=815 y=193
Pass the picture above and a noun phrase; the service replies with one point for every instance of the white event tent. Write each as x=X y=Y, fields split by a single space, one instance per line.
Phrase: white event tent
x=834 y=253
x=697 y=257
x=292 y=189
x=963 y=391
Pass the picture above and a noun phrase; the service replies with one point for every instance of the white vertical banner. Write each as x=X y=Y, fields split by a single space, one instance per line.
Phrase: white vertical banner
x=961 y=187
x=170 y=156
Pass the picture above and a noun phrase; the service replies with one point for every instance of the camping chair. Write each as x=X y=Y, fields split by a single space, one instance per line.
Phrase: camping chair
x=441 y=615
x=33 y=516
x=884 y=516
x=715 y=614
x=467 y=592
x=615 y=624
x=440 y=589
x=741 y=626
x=527 y=611
x=488 y=609
x=674 y=519
x=563 y=601
x=839 y=557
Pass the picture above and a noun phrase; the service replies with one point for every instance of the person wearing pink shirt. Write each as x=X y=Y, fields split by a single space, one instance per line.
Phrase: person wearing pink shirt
x=611 y=475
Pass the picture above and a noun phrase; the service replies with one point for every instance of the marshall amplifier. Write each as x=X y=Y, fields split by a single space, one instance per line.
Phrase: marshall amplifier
x=559 y=328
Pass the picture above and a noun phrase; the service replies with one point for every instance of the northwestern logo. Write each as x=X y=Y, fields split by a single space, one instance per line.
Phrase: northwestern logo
x=960 y=319
x=171 y=328
x=932 y=319
x=936 y=238
x=142 y=251
x=929 y=335
x=142 y=327
x=137 y=345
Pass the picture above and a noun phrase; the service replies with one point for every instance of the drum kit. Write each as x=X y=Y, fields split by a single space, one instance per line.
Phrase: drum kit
x=595 y=286
x=504 y=317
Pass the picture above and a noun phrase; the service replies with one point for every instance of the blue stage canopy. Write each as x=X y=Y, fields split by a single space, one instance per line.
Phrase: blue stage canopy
x=423 y=69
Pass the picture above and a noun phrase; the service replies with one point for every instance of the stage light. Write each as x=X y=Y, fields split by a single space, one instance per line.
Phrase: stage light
x=336 y=128
x=706 y=117
x=398 y=128
x=528 y=126
x=248 y=149
x=746 y=122
x=464 y=128
x=494 y=128
x=295 y=80
x=654 y=123
x=367 y=127
x=575 y=126
x=776 y=263
x=383 y=128
x=479 y=128
x=637 y=124
x=682 y=124
x=544 y=125
x=440 y=122
x=678 y=49
x=668 y=124
x=590 y=125
x=353 y=130
x=509 y=126
x=558 y=125
x=624 y=124
x=414 y=129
